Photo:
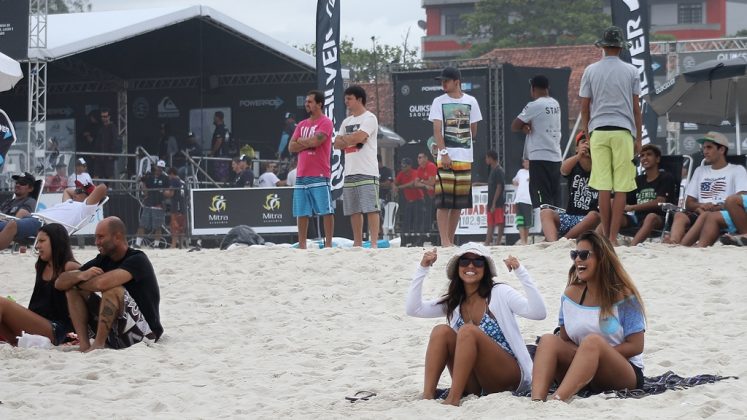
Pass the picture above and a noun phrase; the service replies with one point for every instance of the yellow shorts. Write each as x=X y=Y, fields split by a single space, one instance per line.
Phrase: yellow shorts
x=612 y=166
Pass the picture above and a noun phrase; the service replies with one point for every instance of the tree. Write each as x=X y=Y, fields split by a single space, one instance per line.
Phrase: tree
x=68 y=6
x=528 y=23
x=366 y=64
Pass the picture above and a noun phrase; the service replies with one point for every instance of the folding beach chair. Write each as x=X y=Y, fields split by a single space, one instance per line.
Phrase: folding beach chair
x=72 y=229
x=390 y=219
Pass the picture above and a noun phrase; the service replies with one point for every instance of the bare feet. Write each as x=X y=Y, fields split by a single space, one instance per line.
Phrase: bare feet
x=94 y=347
x=449 y=401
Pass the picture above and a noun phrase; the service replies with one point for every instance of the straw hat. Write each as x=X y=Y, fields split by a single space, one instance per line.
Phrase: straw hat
x=469 y=248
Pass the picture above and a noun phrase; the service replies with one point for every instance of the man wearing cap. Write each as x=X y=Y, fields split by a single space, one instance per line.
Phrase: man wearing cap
x=153 y=216
x=58 y=181
x=707 y=190
x=540 y=121
x=21 y=205
x=610 y=112
x=454 y=115
x=80 y=174
x=358 y=140
x=244 y=176
x=312 y=195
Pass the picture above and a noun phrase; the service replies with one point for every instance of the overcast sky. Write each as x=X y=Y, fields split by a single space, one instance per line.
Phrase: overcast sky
x=292 y=21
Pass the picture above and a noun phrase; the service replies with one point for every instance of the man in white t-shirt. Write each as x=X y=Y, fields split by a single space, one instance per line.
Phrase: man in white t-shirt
x=360 y=192
x=707 y=190
x=269 y=178
x=80 y=174
x=523 y=202
x=540 y=121
x=454 y=115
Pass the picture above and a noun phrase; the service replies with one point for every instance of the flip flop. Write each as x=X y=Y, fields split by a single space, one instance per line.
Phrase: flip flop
x=733 y=240
x=361 y=396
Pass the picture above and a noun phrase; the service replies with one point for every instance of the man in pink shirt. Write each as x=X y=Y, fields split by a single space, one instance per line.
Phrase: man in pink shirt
x=313 y=195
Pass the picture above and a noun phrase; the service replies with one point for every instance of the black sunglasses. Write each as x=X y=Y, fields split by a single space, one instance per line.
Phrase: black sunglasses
x=22 y=182
x=80 y=191
x=582 y=254
x=477 y=262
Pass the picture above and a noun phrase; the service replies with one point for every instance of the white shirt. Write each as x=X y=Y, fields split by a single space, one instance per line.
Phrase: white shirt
x=70 y=212
x=362 y=161
x=522 y=187
x=710 y=185
x=543 y=143
x=268 y=179
x=84 y=179
x=291 y=179
x=456 y=116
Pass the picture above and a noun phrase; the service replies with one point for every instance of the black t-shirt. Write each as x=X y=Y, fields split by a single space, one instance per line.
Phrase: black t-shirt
x=662 y=186
x=497 y=177
x=155 y=185
x=143 y=287
x=48 y=301
x=581 y=198
x=219 y=133
x=385 y=174
x=243 y=179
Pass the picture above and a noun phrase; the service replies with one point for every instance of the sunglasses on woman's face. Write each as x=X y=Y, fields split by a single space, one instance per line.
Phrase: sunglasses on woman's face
x=477 y=262
x=582 y=254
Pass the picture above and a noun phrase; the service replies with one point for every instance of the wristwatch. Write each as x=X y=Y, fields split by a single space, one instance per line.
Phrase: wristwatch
x=443 y=152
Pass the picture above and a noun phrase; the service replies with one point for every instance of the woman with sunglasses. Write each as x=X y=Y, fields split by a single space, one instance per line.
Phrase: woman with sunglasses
x=481 y=344
x=47 y=313
x=602 y=323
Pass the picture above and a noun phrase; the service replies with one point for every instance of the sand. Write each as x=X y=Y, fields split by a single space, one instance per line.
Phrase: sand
x=277 y=332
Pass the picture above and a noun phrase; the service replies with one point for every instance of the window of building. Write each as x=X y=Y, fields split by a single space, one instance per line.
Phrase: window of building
x=453 y=24
x=689 y=13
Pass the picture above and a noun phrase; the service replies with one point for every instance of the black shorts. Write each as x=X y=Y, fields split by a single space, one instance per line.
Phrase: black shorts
x=638 y=376
x=544 y=182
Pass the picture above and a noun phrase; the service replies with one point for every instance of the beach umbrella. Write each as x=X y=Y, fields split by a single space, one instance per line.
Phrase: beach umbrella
x=388 y=138
x=10 y=72
x=711 y=93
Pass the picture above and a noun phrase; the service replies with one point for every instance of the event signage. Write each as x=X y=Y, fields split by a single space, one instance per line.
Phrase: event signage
x=633 y=17
x=214 y=211
x=474 y=221
x=14 y=28
x=329 y=78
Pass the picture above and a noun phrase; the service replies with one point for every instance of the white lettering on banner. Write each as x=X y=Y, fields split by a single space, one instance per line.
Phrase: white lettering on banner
x=217 y=218
x=637 y=37
x=632 y=4
x=419 y=111
x=248 y=103
x=330 y=6
x=474 y=221
x=430 y=89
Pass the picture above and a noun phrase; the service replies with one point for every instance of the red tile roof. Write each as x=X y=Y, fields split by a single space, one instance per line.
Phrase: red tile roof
x=577 y=57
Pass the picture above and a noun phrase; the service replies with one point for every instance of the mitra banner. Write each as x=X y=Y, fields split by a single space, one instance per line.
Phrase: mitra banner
x=329 y=77
x=633 y=17
x=215 y=211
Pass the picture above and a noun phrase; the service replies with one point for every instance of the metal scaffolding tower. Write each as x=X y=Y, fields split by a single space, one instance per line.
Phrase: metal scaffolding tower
x=37 y=89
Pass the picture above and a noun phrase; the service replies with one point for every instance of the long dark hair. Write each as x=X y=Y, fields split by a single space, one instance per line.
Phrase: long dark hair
x=455 y=295
x=614 y=281
x=62 y=253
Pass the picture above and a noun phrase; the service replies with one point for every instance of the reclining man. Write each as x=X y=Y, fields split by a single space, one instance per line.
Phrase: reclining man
x=652 y=187
x=21 y=205
x=581 y=213
x=127 y=312
x=78 y=204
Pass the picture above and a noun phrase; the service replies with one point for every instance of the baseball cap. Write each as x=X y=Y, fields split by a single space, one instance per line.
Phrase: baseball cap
x=450 y=73
x=539 y=81
x=581 y=135
x=245 y=158
x=81 y=161
x=613 y=37
x=714 y=137
x=24 y=178
x=161 y=164
x=87 y=188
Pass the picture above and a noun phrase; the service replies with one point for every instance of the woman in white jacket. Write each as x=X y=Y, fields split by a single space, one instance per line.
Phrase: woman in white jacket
x=481 y=345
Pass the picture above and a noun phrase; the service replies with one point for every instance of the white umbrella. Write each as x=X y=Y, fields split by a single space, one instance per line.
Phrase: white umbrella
x=10 y=72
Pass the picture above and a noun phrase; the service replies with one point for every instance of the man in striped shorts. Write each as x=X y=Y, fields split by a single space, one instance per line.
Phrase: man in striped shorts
x=312 y=140
x=360 y=192
x=455 y=115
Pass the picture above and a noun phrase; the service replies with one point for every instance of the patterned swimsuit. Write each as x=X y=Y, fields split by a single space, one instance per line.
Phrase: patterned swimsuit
x=490 y=327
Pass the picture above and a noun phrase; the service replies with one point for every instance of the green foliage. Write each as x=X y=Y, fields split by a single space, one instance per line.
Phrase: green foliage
x=68 y=6
x=366 y=64
x=529 y=23
x=739 y=34
x=663 y=37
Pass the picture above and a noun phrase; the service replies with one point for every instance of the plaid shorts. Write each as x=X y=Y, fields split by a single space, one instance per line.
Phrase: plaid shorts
x=128 y=329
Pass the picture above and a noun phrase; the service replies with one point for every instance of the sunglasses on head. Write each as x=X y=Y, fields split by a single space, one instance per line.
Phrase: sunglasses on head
x=582 y=254
x=477 y=262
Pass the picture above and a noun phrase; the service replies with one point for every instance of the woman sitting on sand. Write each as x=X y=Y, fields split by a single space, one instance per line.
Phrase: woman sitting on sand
x=602 y=323
x=47 y=314
x=482 y=344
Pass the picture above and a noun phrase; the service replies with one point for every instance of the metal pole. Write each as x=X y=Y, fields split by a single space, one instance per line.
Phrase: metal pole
x=736 y=119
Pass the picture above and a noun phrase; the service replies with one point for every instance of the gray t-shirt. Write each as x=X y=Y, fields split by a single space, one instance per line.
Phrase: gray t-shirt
x=543 y=143
x=611 y=84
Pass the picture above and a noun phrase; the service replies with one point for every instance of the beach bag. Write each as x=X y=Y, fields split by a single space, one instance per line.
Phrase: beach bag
x=241 y=234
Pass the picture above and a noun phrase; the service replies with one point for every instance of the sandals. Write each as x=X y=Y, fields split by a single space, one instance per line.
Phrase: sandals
x=361 y=396
x=733 y=240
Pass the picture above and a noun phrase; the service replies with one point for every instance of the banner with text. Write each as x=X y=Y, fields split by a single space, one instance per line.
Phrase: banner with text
x=14 y=28
x=214 y=211
x=474 y=221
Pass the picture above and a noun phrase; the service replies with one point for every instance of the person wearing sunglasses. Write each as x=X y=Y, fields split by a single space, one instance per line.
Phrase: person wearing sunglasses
x=481 y=343
x=602 y=325
x=20 y=206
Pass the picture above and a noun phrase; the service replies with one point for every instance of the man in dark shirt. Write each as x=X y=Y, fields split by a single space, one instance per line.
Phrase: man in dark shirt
x=496 y=198
x=153 y=216
x=128 y=309
x=386 y=178
x=21 y=205
x=244 y=177
x=106 y=141
x=218 y=146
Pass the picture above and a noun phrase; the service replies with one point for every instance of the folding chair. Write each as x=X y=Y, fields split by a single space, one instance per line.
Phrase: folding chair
x=390 y=218
x=72 y=229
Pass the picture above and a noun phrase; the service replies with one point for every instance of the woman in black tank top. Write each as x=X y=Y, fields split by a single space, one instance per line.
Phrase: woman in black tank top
x=47 y=313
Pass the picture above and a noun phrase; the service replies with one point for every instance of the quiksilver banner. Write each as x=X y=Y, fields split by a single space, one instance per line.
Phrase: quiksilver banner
x=632 y=16
x=329 y=77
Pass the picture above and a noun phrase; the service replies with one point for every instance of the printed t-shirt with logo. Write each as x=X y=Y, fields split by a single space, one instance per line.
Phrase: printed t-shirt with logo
x=315 y=161
x=581 y=198
x=360 y=159
x=710 y=185
x=456 y=115
x=662 y=186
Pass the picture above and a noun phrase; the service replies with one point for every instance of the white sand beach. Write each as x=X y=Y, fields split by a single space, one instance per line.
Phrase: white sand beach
x=277 y=332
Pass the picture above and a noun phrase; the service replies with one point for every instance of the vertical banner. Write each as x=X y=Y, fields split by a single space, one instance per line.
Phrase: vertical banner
x=14 y=28
x=633 y=17
x=329 y=77
x=7 y=136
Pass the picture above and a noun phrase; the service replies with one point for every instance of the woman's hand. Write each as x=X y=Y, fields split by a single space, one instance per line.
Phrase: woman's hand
x=429 y=257
x=512 y=263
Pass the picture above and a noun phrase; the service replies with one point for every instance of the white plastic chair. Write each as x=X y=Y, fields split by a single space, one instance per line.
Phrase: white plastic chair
x=72 y=229
x=390 y=218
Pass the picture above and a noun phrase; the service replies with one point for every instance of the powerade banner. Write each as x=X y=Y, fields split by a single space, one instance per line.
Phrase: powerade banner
x=632 y=16
x=215 y=211
x=329 y=77
x=14 y=28
x=7 y=136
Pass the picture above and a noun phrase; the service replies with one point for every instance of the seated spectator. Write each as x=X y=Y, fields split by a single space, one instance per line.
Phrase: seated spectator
x=21 y=205
x=581 y=213
x=57 y=182
x=127 y=312
x=47 y=313
x=732 y=220
x=290 y=180
x=269 y=178
x=244 y=177
x=652 y=188
x=80 y=174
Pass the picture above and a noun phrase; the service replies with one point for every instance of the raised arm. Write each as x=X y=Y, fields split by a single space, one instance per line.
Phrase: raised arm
x=531 y=306
x=415 y=305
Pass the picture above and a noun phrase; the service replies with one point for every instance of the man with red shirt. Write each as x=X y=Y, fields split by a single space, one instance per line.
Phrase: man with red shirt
x=412 y=196
x=427 y=172
x=312 y=140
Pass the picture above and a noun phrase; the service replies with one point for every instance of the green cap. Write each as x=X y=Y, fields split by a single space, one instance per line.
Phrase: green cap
x=613 y=37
